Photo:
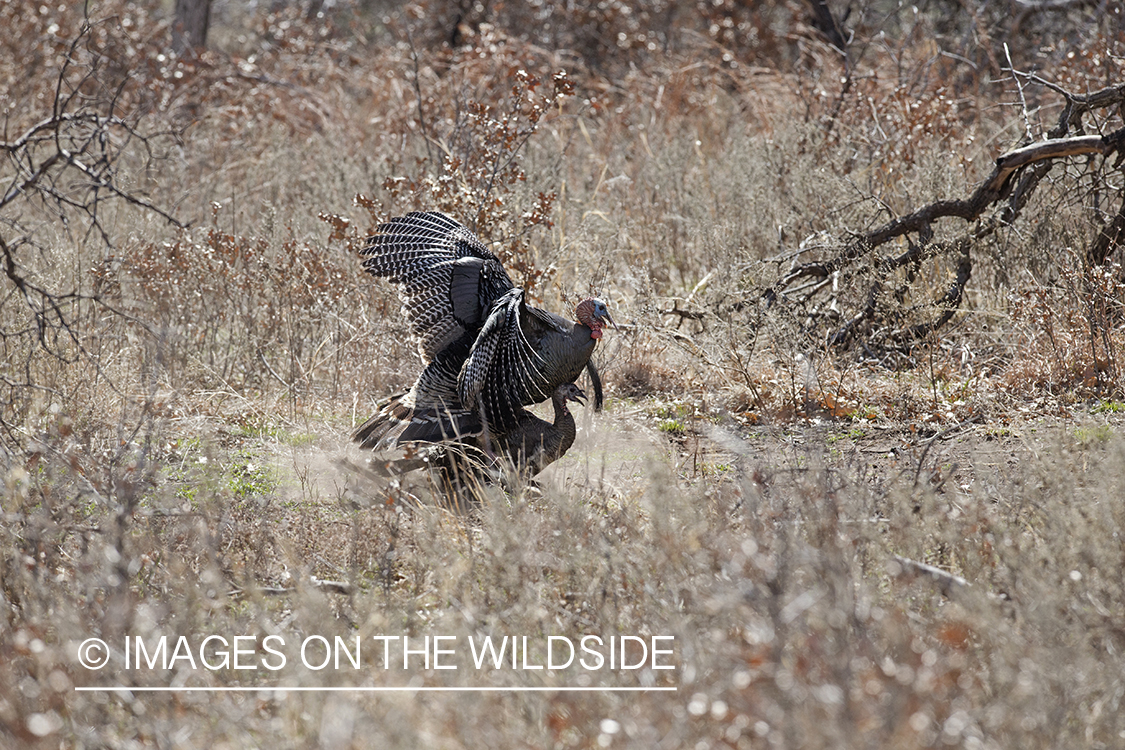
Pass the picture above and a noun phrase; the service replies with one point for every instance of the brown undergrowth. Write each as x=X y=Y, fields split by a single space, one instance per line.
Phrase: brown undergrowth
x=851 y=548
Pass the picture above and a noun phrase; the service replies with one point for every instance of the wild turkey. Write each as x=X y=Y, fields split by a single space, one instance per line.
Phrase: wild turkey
x=529 y=447
x=487 y=353
x=534 y=443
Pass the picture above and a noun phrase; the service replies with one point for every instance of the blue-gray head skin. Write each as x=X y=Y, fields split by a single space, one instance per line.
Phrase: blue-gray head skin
x=570 y=392
x=594 y=314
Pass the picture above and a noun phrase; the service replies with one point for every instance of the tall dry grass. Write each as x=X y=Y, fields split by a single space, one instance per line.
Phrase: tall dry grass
x=175 y=462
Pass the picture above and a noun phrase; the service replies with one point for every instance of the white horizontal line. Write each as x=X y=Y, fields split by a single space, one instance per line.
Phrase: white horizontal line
x=435 y=689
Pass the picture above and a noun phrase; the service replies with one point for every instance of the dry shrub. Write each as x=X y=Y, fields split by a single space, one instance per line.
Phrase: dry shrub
x=1070 y=335
x=211 y=292
x=608 y=39
x=473 y=168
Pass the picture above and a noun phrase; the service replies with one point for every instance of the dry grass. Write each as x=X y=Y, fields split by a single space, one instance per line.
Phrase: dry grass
x=175 y=458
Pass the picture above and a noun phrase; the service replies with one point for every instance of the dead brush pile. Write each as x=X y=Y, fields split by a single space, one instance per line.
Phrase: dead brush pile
x=863 y=545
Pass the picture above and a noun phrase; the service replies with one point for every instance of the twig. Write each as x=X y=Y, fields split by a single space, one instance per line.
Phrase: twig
x=941 y=436
x=421 y=111
x=262 y=357
x=332 y=587
x=945 y=580
x=1023 y=99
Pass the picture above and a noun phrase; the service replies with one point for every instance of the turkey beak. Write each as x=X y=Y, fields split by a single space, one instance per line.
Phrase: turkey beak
x=579 y=396
x=609 y=320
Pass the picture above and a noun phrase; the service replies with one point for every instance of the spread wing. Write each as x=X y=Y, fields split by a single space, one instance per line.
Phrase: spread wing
x=448 y=278
x=504 y=371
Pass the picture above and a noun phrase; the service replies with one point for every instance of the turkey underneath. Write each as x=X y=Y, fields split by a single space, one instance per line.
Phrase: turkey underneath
x=487 y=353
x=534 y=443
x=529 y=447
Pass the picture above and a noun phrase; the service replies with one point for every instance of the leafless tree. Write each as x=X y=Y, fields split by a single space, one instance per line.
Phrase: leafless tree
x=193 y=21
x=61 y=172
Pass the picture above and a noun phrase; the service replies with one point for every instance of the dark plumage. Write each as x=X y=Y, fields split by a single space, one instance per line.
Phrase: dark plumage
x=534 y=443
x=487 y=354
x=529 y=447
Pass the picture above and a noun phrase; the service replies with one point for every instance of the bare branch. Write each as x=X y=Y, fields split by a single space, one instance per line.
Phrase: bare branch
x=1053 y=149
x=1014 y=179
x=63 y=170
x=332 y=587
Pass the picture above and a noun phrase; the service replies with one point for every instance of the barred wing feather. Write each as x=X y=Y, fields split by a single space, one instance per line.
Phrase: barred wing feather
x=447 y=277
x=504 y=371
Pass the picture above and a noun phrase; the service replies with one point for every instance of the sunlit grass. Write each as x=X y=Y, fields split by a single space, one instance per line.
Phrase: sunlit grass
x=181 y=465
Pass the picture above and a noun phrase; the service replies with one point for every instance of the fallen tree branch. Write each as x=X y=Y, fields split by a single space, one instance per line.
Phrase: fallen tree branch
x=1015 y=177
